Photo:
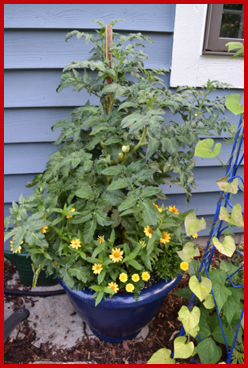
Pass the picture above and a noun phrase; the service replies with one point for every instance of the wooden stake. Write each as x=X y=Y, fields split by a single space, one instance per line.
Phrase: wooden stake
x=108 y=43
x=108 y=35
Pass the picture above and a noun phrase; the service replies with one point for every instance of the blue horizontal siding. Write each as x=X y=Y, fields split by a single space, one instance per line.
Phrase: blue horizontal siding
x=33 y=49
x=139 y=17
x=34 y=124
x=32 y=157
x=205 y=180
x=38 y=89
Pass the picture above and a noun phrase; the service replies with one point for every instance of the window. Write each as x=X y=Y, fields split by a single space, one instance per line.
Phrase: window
x=189 y=66
x=225 y=23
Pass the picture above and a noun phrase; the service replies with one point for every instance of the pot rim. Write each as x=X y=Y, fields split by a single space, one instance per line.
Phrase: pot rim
x=146 y=296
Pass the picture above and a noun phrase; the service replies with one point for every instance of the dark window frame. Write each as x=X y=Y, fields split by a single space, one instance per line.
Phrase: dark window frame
x=212 y=41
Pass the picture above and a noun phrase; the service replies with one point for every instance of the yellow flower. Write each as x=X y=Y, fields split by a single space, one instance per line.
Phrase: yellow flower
x=129 y=288
x=18 y=250
x=123 y=277
x=75 y=243
x=165 y=238
x=135 y=277
x=173 y=209
x=97 y=268
x=56 y=263
x=159 y=209
x=148 y=231
x=71 y=210
x=145 y=276
x=184 y=266
x=195 y=235
x=143 y=244
x=101 y=239
x=44 y=229
x=116 y=255
x=113 y=286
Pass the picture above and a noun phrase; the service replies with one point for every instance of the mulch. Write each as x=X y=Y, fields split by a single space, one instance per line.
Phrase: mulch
x=162 y=331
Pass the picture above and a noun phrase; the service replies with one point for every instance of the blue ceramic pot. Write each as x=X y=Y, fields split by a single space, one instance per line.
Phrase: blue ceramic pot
x=120 y=317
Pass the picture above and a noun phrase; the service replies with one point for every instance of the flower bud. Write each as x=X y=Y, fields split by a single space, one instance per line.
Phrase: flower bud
x=125 y=149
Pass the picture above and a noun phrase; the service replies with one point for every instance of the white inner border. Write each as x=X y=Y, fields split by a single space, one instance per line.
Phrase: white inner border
x=189 y=66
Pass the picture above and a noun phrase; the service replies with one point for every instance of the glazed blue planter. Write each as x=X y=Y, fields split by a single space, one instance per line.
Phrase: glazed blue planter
x=120 y=317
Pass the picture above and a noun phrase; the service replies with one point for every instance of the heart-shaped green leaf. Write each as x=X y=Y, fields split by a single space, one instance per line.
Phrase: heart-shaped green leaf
x=200 y=289
x=190 y=320
x=235 y=218
x=228 y=187
x=227 y=247
x=162 y=356
x=182 y=350
x=209 y=302
x=204 y=148
x=233 y=104
x=193 y=225
x=188 y=252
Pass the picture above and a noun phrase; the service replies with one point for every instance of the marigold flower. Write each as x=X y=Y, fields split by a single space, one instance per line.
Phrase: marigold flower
x=71 y=210
x=123 y=277
x=159 y=209
x=129 y=288
x=173 y=209
x=184 y=266
x=44 y=229
x=145 y=276
x=75 y=243
x=101 y=239
x=18 y=250
x=116 y=255
x=143 y=244
x=97 y=268
x=165 y=238
x=195 y=235
x=148 y=231
x=113 y=286
x=135 y=277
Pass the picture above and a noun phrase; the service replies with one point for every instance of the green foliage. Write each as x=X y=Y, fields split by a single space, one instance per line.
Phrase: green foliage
x=96 y=201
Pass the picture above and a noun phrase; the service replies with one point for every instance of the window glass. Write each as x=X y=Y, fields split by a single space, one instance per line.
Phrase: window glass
x=232 y=24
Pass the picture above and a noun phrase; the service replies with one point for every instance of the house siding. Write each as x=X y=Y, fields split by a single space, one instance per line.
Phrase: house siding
x=35 y=54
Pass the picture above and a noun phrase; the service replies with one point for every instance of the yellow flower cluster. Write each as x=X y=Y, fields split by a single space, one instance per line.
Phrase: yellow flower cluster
x=195 y=235
x=165 y=238
x=44 y=229
x=148 y=231
x=75 y=243
x=97 y=268
x=101 y=239
x=18 y=249
x=71 y=210
x=116 y=255
x=143 y=244
x=184 y=266
x=159 y=209
x=113 y=286
x=173 y=209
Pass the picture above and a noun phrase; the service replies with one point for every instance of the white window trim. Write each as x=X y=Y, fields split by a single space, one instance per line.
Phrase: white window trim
x=189 y=66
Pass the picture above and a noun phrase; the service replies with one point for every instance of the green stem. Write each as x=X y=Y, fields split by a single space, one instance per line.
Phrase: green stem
x=141 y=140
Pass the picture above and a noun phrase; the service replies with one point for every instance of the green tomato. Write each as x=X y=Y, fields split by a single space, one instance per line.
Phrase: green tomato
x=125 y=149
x=120 y=157
x=102 y=145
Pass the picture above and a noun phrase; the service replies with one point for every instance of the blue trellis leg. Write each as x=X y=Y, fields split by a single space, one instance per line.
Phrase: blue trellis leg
x=216 y=230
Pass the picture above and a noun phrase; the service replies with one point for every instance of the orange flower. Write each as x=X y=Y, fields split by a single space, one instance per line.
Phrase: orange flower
x=165 y=238
x=173 y=209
